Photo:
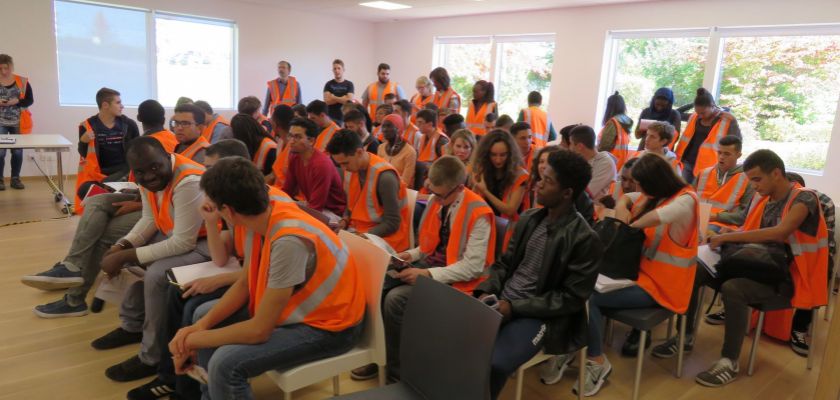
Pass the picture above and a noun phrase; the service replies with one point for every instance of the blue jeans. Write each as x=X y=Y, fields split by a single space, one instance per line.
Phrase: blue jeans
x=17 y=154
x=688 y=173
x=229 y=367
x=517 y=342
x=629 y=297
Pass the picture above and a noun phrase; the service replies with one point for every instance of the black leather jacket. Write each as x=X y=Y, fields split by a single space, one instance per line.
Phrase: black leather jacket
x=567 y=277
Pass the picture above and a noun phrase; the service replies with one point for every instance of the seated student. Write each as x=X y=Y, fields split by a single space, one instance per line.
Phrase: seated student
x=666 y=270
x=250 y=105
x=490 y=121
x=582 y=141
x=181 y=303
x=498 y=175
x=786 y=214
x=614 y=136
x=258 y=324
x=521 y=133
x=356 y=123
x=583 y=203
x=431 y=144
x=504 y=122
x=545 y=275
x=368 y=178
x=311 y=172
x=457 y=241
x=726 y=187
x=103 y=139
x=166 y=236
x=261 y=146
x=397 y=152
x=381 y=112
x=350 y=106
x=462 y=144
x=390 y=99
x=107 y=218
x=188 y=123
x=565 y=138
x=659 y=135
x=281 y=119
x=300 y=110
x=216 y=127
x=452 y=123
x=411 y=133
x=316 y=111
x=625 y=184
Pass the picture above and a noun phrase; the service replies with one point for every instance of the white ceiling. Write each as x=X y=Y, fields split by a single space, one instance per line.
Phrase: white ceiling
x=427 y=8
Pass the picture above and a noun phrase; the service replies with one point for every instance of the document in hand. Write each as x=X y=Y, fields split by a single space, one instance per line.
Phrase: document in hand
x=605 y=284
x=189 y=273
x=708 y=258
x=118 y=186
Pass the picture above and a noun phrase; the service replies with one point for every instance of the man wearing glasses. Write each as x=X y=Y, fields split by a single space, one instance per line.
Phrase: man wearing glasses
x=456 y=243
x=188 y=123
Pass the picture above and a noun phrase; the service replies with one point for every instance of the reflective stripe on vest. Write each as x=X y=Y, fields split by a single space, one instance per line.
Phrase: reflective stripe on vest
x=289 y=95
x=281 y=166
x=427 y=150
x=442 y=100
x=162 y=212
x=475 y=118
x=362 y=202
x=262 y=152
x=375 y=98
x=325 y=136
x=707 y=153
x=207 y=133
x=199 y=144
x=711 y=192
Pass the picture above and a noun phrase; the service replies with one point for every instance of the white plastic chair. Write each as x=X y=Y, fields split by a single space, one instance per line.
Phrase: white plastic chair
x=411 y=198
x=371 y=263
x=540 y=357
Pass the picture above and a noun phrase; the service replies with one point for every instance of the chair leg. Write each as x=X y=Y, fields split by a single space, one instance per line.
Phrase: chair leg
x=381 y=375
x=287 y=395
x=639 y=359
x=670 y=325
x=756 y=338
x=700 y=297
x=520 y=376
x=336 y=389
x=681 y=344
x=581 y=371
x=608 y=327
x=812 y=330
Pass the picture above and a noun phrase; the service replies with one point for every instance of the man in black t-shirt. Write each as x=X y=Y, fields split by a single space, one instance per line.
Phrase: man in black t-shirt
x=337 y=92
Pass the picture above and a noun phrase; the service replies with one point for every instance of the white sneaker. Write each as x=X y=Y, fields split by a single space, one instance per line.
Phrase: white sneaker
x=594 y=377
x=553 y=369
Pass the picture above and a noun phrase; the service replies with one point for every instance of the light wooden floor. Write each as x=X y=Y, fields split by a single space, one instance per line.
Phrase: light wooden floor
x=49 y=359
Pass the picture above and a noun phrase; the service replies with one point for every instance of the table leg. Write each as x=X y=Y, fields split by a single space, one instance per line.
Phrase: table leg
x=59 y=171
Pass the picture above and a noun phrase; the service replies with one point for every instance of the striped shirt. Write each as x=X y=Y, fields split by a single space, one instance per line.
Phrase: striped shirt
x=523 y=283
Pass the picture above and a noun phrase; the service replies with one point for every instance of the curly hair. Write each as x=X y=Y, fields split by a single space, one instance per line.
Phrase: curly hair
x=247 y=130
x=484 y=167
x=572 y=170
x=535 y=166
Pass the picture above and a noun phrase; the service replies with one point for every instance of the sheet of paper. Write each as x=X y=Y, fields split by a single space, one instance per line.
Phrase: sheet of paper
x=121 y=185
x=645 y=123
x=381 y=243
x=113 y=290
x=605 y=284
x=708 y=258
x=703 y=218
x=189 y=273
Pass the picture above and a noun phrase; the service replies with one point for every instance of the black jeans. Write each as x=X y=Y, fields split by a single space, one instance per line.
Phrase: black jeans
x=17 y=154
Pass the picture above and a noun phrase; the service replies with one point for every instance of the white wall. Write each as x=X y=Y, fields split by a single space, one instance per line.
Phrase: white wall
x=581 y=35
x=266 y=35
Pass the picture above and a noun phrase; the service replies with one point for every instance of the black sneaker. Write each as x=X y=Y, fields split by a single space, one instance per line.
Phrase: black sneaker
x=718 y=318
x=669 y=348
x=798 y=343
x=722 y=373
x=56 y=278
x=130 y=370
x=631 y=344
x=156 y=389
x=117 y=338
x=17 y=184
x=369 y=371
x=60 y=309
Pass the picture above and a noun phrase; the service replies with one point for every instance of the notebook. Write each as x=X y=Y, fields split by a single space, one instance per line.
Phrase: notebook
x=188 y=273
x=118 y=186
x=605 y=284
x=708 y=258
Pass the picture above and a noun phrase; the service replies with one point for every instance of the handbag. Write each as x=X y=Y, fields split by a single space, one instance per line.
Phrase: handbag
x=767 y=263
x=622 y=249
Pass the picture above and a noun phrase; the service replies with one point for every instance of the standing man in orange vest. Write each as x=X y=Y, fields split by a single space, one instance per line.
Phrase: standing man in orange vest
x=300 y=301
x=457 y=242
x=431 y=144
x=374 y=94
x=216 y=127
x=541 y=126
x=726 y=187
x=166 y=236
x=316 y=111
x=697 y=147
x=283 y=90
x=446 y=98
x=376 y=197
x=15 y=118
x=188 y=123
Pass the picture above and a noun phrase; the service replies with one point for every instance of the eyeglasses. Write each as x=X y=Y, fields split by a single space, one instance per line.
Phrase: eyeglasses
x=183 y=124
x=441 y=196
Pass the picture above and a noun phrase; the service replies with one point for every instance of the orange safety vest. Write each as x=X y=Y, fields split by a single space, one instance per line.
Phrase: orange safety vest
x=538 y=119
x=419 y=103
x=528 y=159
x=199 y=145
x=88 y=169
x=363 y=202
x=25 y=114
x=722 y=197
x=325 y=136
x=426 y=148
x=243 y=243
x=166 y=138
x=412 y=134
x=442 y=100
x=707 y=153
x=667 y=268
x=182 y=167
x=207 y=133
x=375 y=98
x=261 y=156
x=475 y=118
x=288 y=97
x=281 y=166
x=472 y=208
x=621 y=151
x=521 y=179
x=333 y=298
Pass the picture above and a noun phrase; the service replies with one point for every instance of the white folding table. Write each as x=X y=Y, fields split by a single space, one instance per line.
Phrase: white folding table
x=43 y=143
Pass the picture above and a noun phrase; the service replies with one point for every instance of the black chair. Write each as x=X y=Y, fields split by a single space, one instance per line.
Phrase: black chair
x=645 y=319
x=447 y=345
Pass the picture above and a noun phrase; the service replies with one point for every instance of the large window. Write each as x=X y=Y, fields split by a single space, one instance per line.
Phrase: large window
x=143 y=54
x=779 y=82
x=516 y=65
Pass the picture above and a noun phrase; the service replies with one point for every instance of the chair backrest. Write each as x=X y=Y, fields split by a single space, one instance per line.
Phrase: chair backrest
x=371 y=262
x=411 y=198
x=501 y=230
x=447 y=342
